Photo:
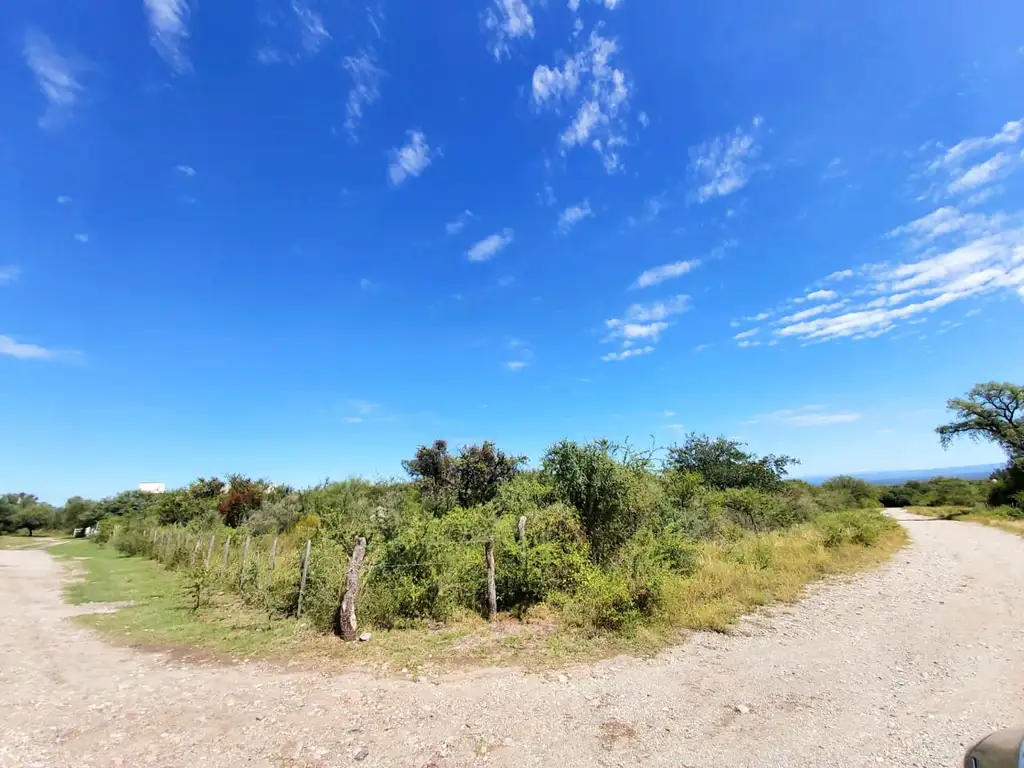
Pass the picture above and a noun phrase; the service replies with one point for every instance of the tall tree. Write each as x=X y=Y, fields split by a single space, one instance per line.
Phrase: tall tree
x=992 y=412
x=724 y=463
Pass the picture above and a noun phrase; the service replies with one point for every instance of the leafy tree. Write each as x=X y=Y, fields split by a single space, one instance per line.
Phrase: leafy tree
x=993 y=412
x=724 y=464
x=244 y=497
x=471 y=478
x=33 y=517
x=207 y=489
x=860 y=492
x=81 y=513
x=481 y=470
x=434 y=472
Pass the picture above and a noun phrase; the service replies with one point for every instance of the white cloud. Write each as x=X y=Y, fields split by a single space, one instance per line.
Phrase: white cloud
x=311 y=27
x=521 y=353
x=57 y=77
x=599 y=92
x=1010 y=134
x=812 y=312
x=573 y=215
x=366 y=76
x=82 y=238
x=747 y=334
x=701 y=347
x=812 y=416
x=363 y=407
x=657 y=275
x=512 y=20
x=187 y=170
x=489 y=247
x=948 y=220
x=721 y=166
x=747 y=343
x=627 y=353
x=455 y=226
x=515 y=365
x=643 y=119
x=168 y=29
x=9 y=274
x=11 y=348
x=64 y=200
x=983 y=173
x=652 y=210
x=410 y=160
x=657 y=310
x=820 y=296
x=644 y=322
x=842 y=274
x=365 y=284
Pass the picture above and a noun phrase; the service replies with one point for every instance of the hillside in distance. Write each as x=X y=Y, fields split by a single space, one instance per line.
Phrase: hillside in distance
x=894 y=476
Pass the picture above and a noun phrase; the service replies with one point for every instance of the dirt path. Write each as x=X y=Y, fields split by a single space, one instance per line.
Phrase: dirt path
x=902 y=666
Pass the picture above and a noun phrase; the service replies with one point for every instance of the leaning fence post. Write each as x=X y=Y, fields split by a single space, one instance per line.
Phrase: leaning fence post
x=209 y=551
x=273 y=554
x=302 y=582
x=492 y=593
x=195 y=550
x=245 y=561
x=345 y=624
x=227 y=551
x=521 y=530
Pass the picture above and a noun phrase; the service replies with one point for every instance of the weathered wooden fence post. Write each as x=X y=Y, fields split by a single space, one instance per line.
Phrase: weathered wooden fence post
x=245 y=561
x=195 y=550
x=345 y=622
x=492 y=592
x=209 y=551
x=302 y=581
x=273 y=554
x=521 y=530
x=227 y=552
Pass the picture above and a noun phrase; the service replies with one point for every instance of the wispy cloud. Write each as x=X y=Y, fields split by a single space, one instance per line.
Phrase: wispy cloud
x=410 y=160
x=599 y=92
x=81 y=237
x=747 y=334
x=842 y=274
x=573 y=215
x=311 y=26
x=9 y=274
x=810 y=416
x=821 y=295
x=456 y=225
x=722 y=165
x=366 y=76
x=507 y=20
x=57 y=77
x=168 y=30
x=626 y=354
x=652 y=210
x=658 y=275
x=980 y=174
x=186 y=170
x=521 y=353
x=365 y=284
x=489 y=247
x=12 y=348
x=64 y=200
x=1010 y=134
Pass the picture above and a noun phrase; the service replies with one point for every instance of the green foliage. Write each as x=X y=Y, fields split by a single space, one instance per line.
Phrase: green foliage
x=1007 y=487
x=854 y=526
x=244 y=496
x=992 y=412
x=613 y=499
x=937 y=492
x=724 y=464
x=473 y=477
x=861 y=493
x=33 y=517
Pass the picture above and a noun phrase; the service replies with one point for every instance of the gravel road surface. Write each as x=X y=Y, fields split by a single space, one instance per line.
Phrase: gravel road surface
x=902 y=666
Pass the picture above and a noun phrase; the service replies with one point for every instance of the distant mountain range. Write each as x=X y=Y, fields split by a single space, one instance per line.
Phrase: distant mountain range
x=891 y=477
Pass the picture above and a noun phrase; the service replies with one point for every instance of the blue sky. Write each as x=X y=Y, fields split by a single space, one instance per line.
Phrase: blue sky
x=297 y=238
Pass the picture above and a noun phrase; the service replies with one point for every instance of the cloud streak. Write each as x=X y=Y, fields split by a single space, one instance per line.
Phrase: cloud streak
x=409 y=160
x=57 y=77
x=490 y=246
x=722 y=165
x=168 y=30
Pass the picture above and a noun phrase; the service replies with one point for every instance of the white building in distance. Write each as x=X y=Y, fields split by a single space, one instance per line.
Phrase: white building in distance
x=152 y=487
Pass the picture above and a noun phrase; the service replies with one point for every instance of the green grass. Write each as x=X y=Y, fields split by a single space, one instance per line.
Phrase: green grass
x=731 y=581
x=994 y=517
x=40 y=540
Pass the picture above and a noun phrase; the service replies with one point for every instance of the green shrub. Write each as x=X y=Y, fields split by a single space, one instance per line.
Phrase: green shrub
x=604 y=603
x=856 y=526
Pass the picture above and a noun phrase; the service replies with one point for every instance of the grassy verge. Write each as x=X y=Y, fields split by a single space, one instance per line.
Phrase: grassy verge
x=40 y=540
x=996 y=518
x=733 y=579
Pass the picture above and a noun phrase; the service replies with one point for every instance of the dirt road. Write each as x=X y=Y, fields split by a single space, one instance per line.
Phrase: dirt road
x=901 y=666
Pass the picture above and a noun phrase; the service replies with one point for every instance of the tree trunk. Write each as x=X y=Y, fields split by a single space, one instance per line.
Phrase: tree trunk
x=345 y=619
